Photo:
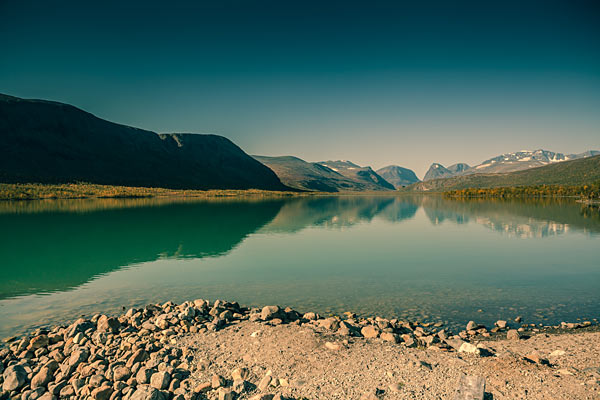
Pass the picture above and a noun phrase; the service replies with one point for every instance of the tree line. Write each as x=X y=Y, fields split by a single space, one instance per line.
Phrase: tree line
x=589 y=191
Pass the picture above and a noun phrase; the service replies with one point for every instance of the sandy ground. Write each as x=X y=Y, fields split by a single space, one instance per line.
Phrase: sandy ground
x=299 y=356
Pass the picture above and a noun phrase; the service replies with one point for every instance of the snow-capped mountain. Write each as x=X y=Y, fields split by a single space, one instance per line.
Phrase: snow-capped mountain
x=508 y=162
x=438 y=171
x=524 y=159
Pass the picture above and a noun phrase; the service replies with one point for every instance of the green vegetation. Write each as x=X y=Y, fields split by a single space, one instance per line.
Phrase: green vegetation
x=584 y=171
x=36 y=191
x=589 y=192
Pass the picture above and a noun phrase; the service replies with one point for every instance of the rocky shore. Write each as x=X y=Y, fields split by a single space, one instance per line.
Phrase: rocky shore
x=221 y=350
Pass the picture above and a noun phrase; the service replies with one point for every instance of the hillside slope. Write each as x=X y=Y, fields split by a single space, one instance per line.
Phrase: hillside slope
x=50 y=142
x=299 y=174
x=574 y=172
x=398 y=176
x=364 y=176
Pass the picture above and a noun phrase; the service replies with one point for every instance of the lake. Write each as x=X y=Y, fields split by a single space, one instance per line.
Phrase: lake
x=423 y=258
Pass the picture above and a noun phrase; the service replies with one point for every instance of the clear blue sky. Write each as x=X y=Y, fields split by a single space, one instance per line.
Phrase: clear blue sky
x=374 y=82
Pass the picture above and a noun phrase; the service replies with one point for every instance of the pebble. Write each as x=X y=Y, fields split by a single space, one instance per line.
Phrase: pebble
x=501 y=324
x=333 y=346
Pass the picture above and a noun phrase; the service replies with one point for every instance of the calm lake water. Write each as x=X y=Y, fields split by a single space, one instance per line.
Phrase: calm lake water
x=424 y=258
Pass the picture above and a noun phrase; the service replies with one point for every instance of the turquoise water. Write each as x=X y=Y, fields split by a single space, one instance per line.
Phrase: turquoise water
x=423 y=257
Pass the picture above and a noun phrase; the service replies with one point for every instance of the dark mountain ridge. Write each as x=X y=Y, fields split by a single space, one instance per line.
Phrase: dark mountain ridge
x=50 y=142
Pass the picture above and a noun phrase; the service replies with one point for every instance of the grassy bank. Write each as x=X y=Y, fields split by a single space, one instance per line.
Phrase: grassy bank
x=36 y=191
x=588 y=192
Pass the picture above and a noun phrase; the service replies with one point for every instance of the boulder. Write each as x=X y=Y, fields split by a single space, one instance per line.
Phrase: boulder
x=145 y=392
x=108 y=324
x=370 y=331
x=513 y=334
x=160 y=380
x=270 y=312
x=42 y=378
x=15 y=378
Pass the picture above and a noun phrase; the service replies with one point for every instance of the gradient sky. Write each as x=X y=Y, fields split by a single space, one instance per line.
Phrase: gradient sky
x=374 y=82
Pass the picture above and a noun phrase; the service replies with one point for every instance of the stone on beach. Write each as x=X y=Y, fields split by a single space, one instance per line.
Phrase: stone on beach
x=333 y=346
x=160 y=380
x=370 y=331
x=269 y=312
x=15 y=377
x=145 y=392
x=501 y=324
x=513 y=334
x=470 y=388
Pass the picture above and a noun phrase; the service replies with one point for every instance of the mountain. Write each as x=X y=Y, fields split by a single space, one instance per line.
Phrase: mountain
x=50 y=142
x=509 y=162
x=364 y=176
x=574 y=172
x=458 y=168
x=437 y=171
x=398 y=176
x=299 y=174
x=525 y=159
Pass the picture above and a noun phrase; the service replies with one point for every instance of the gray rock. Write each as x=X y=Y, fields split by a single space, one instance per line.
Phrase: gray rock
x=311 y=316
x=160 y=380
x=330 y=323
x=121 y=373
x=469 y=348
x=143 y=376
x=389 y=337
x=269 y=312
x=96 y=380
x=264 y=383
x=226 y=394
x=42 y=378
x=513 y=334
x=15 y=377
x=139 y=356
x=217 y=381
x=145 y=392
x=501 y=324
x=240 y=374
x=370 y=331
x=38 y=342
x=102 y=393
x=108 y=324
x=470 y=388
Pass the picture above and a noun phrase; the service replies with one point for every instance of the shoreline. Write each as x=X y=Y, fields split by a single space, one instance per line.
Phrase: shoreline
x=164 y=352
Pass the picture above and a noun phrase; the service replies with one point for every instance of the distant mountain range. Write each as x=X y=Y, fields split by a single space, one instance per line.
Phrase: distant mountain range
x=365 y=176
x=299 y=174
x=326 y=176
x=50 y=142
x=574 y=172
x=509 y=162
x=399 y=177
